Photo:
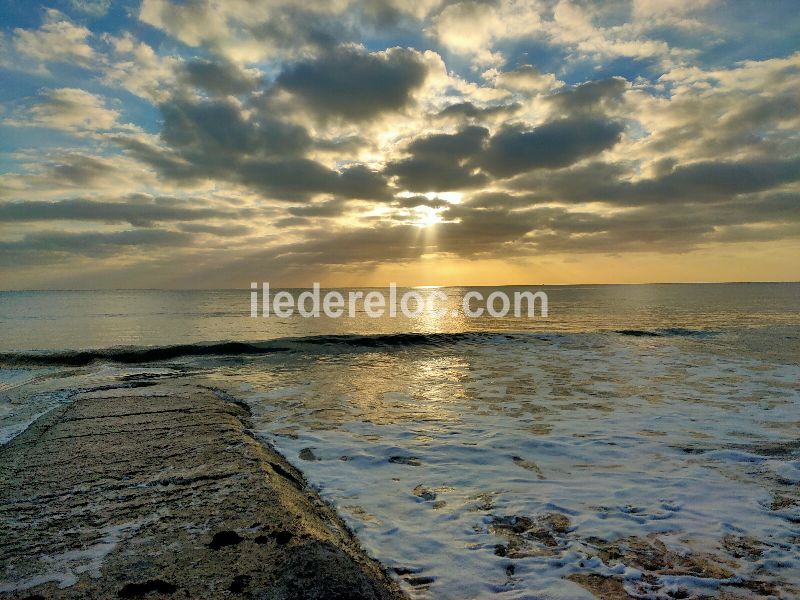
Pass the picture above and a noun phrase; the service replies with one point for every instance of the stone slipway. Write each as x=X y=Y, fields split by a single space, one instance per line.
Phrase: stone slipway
x=161 y=491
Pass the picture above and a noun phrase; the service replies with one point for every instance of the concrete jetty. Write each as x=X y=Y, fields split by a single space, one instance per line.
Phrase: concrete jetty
x=162 y=491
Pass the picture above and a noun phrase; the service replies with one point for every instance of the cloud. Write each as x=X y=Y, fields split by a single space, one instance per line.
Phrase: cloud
x=94 y=8
x=556 y=144
x=218 y=131
x=221 y=139
x=57 y=40
x=136 y=210
x=593 y=96
x=525 y=78
x=134 y=66
x=699 y=182
x=355 y=85
x=219 y=77
x=650 y=9
x=244 y=31
x=472 y=28
x=69 y=109
x=302 y=178
x=438 y=162
x=564 y=127
x=56 y=172
x=462 y=111
x=51 y=246
x=230 y=230
x=330 y=208
x=81 y=170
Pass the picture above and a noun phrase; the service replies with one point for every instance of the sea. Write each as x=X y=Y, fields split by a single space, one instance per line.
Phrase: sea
x=507 y=457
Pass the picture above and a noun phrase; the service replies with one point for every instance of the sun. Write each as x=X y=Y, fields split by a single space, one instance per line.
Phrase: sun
x=425 y=216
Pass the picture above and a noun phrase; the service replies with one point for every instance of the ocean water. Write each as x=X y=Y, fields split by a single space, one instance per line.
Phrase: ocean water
x=489 y=457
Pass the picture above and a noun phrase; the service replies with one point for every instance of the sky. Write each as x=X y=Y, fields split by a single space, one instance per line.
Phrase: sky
x=208 y=144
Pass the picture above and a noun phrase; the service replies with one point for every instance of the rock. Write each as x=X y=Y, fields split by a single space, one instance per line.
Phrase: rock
x=224 y=538
x=783 y=502
x=139 y=590
x=162 y=490
x=412 y=461
x=422 y=492
x=743 y=546
x=307 y=454
x=528 y=465
x=420 y=581
x=605 y=588
x=530 y=536
x=649 y=554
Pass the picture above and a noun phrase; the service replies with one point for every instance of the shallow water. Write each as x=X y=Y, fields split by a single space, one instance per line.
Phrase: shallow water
x=625 y=436
x=434 y=447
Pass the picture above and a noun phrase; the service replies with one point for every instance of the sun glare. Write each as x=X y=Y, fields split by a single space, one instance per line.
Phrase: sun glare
x=427 y=216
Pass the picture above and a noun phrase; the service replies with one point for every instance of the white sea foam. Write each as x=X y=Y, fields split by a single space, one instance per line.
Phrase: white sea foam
x=625 y=436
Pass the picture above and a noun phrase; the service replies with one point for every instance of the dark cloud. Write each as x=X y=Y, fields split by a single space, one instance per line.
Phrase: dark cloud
x=363 y=245
x=130 y=210
x=501 y=200
x=79 y=169
x=169 y=164
x=462 y=111
x=700 y=182
x=443 y=146
x=218 y=77
x=355 y=85
x=330 y=208
x=427 y=175
x=229 y=230
x=593 y=96
x=708 y=180
x=216 y=139
x=217 y=131
x=50 y=246
x=554 y=145
x=438 y=162
x=748 y=233
x=298 y=179
x=414 y=201
x=361 y=182
x=482 y=231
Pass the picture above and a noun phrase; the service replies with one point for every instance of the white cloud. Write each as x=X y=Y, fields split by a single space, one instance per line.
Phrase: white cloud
x=95 y=8
x=136 y=67
x=649 y=9
x=69 y=109
x=526 y=78
x=472 y=28
x=57 y=40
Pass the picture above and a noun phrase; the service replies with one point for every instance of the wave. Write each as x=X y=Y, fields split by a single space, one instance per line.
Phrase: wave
x=318 y=343
x=144 y=354
x=132 y=354
x=666 y=332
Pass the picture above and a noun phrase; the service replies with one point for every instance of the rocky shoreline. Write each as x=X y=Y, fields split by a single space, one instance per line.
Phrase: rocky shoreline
x=160 y=490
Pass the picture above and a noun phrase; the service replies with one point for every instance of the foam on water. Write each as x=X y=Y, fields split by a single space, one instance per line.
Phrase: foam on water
x=424 y=450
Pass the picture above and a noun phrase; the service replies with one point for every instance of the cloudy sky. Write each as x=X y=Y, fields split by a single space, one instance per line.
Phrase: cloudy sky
x=201 y=143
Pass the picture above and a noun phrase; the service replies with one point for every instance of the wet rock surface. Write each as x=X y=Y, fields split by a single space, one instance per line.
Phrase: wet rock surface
x=538 y=536
x=639 y=566
x=655 y=561
x=161 y=491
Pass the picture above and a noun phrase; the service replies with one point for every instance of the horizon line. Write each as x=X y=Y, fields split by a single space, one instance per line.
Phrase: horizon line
x=357 y=287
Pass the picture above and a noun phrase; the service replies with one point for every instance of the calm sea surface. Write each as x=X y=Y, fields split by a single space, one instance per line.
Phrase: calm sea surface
x=98 y=319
